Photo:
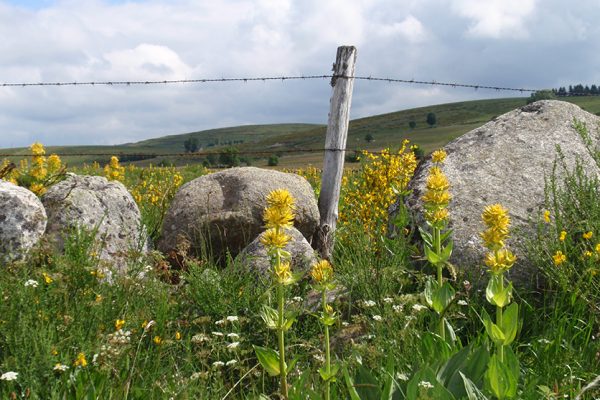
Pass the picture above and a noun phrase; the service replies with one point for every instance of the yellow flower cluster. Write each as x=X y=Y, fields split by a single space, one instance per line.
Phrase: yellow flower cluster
x=437 y=197
x=40 y=174
x=370 y=191
x=113 y=171
x=154 y=186
x=312 y=175
x=279 y=214
x=322 y=272
x=496 y=218
x=559 y=258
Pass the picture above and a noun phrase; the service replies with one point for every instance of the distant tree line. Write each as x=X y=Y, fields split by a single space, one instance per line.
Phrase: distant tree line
x=577 y=90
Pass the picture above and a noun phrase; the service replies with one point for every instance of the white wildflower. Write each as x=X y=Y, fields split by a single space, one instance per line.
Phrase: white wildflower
x=232 y=318
x=233 y=345
x=221 y=322
x=461 y=303
x=397 y=308
x=218 y=364
x=544 y=341
x=368 y=303
x=388 y=300
x=230 y=363
x=401 y=376
x=199 y=338
x=297 y=299
x=419 y=307
x=217 y=333
x=233 y=335
x=31 y=283
x=60 y=367
x=425 y=385
x=377 y=318
x=9 y=376
x=345 y=323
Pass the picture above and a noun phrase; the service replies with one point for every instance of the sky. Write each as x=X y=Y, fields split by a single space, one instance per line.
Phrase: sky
x=509 y=43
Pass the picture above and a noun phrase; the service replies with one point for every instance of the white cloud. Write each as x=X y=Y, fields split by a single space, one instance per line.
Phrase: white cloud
x=410 y=29
x=496 y=18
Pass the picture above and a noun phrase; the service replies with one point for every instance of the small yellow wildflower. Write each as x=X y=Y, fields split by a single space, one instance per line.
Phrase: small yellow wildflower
x=119 y=324
x=47 y=278
x=37 y=188
x=280 y=198
x=438 y=156
x=283 y=273
x=37 y=149
x=322 y=272
x=54 y=163
x=80 y=361
x=328 y=309
x=559 y=258
x=177 y=335
x=278 y=217
x=98 y=298
x=547 y=216
x=587 y=254
x=157 y=340
x=274 y=238
x=500 y=261
x=588 y=235
x=54 y=352
x=597 y=248
x=563 y=236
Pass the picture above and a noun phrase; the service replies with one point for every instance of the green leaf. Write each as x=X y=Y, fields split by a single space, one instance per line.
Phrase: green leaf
x=432 y=256
x=367 y=384
x=430 y=286
x=329 y=377
x=270 y=316
x=500 y=379
x=473 y=392
x=510 y=319
x=445 y=235
x=287 y=322
x=496 y=293
x=268 y=358
x=447 y=251
x=290 y=367
x=493 y=330
x=442 y=297
x=350 y=385
x=426 y=236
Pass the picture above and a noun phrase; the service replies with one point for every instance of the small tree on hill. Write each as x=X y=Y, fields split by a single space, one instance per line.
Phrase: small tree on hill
x=431 y=119
x=230 y=157
x=191 y=145
x=369 y=138
x=541 y=95
x=412 y=124
x=273 y=160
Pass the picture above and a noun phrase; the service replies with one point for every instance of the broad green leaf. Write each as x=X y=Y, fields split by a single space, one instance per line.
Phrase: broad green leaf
x=493 y=330
x=445 y=235
x=270 y=316
x=500 y=379
x=496 y=293
x=447 y=251
x=473 y=392
x=510 y=319
x=331 y=375
x=442 y=297
x=432 y=256
x=269 y=359
x=430 y=286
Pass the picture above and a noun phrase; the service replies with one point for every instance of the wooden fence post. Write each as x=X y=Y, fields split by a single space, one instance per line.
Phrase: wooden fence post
x=335 y=145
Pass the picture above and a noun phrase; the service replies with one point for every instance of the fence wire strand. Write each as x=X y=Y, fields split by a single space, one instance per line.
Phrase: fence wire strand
x=265 y=79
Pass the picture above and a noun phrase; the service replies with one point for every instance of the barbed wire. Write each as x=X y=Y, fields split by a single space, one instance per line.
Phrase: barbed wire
x=268 y=78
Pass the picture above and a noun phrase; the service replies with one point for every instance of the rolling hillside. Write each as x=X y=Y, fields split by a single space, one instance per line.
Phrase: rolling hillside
x=258 y=142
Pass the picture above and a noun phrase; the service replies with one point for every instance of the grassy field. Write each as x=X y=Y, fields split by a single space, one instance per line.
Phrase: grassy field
x=260 y=141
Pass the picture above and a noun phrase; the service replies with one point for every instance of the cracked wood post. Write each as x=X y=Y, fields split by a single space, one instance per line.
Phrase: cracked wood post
x=335 y=144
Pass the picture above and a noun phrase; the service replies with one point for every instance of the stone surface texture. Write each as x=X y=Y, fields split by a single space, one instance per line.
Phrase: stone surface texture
x=506 y=161
x=255 y=258
x=22 y=221
x=93 y=202
x=226 y=208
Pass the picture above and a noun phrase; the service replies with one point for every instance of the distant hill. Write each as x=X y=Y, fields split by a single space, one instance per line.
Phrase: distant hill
x=258 y=142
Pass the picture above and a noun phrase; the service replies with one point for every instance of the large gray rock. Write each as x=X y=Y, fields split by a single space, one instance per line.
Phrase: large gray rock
x=505 y=161
x=22 y=221
x=255 y=257
x=223 y=212
x=93 y=202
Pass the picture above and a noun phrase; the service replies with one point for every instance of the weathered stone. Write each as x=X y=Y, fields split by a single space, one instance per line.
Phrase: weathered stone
x=22 y=221
x=505 y=161
x=223 y=212
x=93 y=202
x=255 y=257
